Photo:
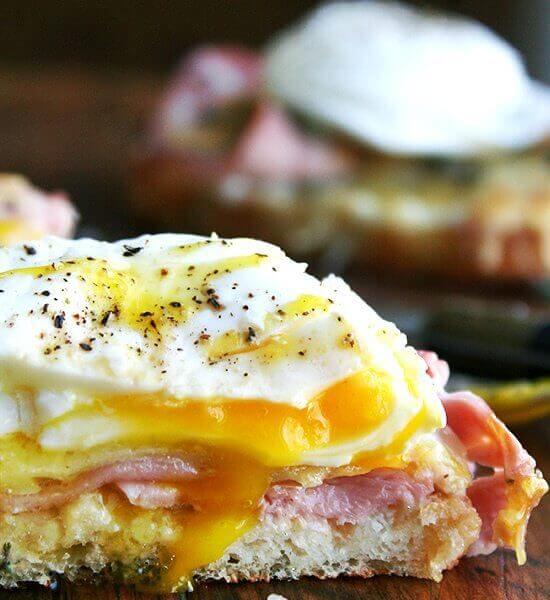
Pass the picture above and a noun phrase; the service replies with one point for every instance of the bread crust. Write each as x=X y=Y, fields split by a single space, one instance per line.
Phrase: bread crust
x=77 y=542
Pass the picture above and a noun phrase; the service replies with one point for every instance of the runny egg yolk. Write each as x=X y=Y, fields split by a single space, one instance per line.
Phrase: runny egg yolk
x=249 y=441
x=277 y=434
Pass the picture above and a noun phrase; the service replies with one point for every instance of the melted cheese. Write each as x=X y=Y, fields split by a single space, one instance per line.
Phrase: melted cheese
x=169 y=342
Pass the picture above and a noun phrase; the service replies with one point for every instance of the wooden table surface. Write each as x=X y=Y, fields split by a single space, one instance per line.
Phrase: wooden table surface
x=74 y=130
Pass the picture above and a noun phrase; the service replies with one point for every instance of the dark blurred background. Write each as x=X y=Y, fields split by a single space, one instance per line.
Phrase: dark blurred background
x=79 y=79
x=151 y=35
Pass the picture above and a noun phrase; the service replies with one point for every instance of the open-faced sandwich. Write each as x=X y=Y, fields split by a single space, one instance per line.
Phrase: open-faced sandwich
x=27 y=213
x=175 y=407
x=401 y=139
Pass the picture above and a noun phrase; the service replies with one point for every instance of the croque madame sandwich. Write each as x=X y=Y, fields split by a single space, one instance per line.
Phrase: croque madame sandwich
x=398 y=138
x=27 y=212
x=175 y=407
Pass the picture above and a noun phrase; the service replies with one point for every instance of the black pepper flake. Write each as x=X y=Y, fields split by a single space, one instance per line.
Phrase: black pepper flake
x=175 y=304
x=146 y=313
x=131 y=251
x=251 y=334
x=214 y=303
x=45 y=309
x=302 y=352
x=45 y=293
x=29 y=250
x=86 y=347
x=164 y=272
x=106 y=317
x=58 y=321
x=348 y=339
x=245 y=306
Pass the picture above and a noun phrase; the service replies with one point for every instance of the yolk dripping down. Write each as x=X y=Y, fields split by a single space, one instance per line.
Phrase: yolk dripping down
x=277 y=434
x=248 y=441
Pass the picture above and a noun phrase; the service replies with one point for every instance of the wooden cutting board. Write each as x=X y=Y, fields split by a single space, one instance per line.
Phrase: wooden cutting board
x=492 y=577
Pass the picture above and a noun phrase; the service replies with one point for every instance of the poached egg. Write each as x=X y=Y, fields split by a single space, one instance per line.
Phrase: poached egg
x=223 y=329
x=408 y=81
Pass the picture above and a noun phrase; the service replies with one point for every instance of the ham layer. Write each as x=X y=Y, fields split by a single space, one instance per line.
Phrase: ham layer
x=503 y=500
x=268 y=146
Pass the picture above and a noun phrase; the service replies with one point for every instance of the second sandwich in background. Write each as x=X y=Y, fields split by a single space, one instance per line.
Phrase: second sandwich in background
x=371 y=131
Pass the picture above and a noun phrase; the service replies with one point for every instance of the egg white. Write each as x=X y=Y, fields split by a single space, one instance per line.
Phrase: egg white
x=38 y=355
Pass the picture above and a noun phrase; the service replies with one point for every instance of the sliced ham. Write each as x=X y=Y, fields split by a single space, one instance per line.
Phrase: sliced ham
x=505 y=499
x=437 y=369
x=269 y=146
x=347 y=499
x=487 y=440
x=488 y=495
x=38 y=212
x=273 y=148
x=143 y=469
x=208 y=78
